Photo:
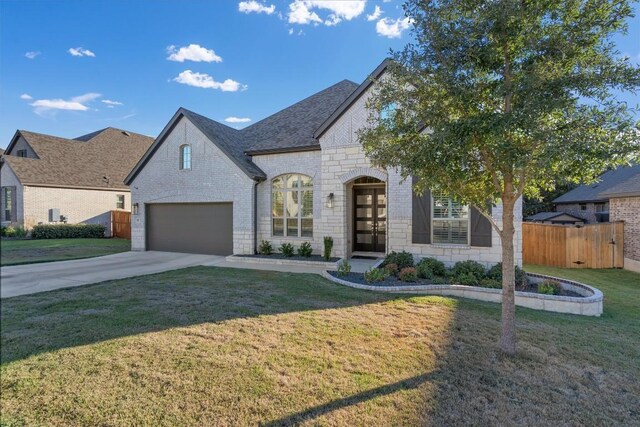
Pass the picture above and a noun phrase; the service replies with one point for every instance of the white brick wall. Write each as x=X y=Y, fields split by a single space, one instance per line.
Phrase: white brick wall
x=78 y=205
x=213 y=178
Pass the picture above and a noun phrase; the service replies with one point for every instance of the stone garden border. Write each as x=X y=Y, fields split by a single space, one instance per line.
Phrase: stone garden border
x=590 y=304
x=281 y=261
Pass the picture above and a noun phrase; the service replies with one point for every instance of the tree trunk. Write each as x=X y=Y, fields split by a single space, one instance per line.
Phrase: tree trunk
x=508 y=336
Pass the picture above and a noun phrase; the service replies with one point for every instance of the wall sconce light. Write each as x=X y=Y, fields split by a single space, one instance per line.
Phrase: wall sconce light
x=134 y=209
x=330 y=200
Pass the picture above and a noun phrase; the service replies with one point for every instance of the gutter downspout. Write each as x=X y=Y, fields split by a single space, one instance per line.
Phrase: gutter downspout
x=255 y=216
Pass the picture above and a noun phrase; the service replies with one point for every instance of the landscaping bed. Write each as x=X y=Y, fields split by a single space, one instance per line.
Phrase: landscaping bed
x=315 y=258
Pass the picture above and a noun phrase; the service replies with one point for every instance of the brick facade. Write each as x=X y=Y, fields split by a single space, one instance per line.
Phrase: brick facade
x=589 y=213
x=627 y=209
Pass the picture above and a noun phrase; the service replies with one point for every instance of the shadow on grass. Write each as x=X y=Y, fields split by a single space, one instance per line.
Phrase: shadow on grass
x=44 y=322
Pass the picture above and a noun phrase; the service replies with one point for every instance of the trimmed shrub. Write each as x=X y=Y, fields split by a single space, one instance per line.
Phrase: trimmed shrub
x=344 y=268
x=490 y=283
x=467 y=279
x=467 y=268
x=3 y=230
x=495 y=273
x=549 y=287
x=265 y=248
x=68 y=231
x=305 y=249
x=286 y=249
x=18 y=232
x=392 y=269
x=375 y=275
x=328 y=247
x=439 y=280
x=428 y=268
x=401 y=259
x=408 y=274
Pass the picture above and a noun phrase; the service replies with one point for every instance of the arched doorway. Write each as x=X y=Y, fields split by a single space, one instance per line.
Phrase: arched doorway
x=369 y=214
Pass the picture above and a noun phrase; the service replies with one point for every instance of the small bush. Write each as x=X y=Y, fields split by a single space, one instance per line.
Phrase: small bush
x=305 y=249
x=467 y=273
x=328 y=247
x=549 y=287
x=392 y=269
x=18 y=232
x=439 y=280
x=265 y=248
x=375 y=275
x=490 y=283
x=344 y=268
x=3 y=230
x=401 y=259
x=408 y=274
x=428 y=268
x=68 y=231
x=467 y=279
x=495 y=273
x=286 y=249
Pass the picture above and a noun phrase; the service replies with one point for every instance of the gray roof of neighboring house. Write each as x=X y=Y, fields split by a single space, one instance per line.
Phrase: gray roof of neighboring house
x=291 y=129
x=81 y=163
x=598 y=192
x=547 y=216
x=627 y=188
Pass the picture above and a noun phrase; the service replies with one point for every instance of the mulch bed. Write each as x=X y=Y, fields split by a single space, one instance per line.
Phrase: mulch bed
x=315 y=258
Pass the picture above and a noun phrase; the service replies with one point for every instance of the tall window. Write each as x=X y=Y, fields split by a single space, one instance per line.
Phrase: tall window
x=449 y=220
x=119 y=201
x=388 y=111
x=292 y=206
x=185 y=157
x=7 y=204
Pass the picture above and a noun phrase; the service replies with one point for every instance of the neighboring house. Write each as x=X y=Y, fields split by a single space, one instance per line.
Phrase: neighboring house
x=561 y=218
x=298 y=175
x=624 y=205
x=588 y=202
x=46 y=179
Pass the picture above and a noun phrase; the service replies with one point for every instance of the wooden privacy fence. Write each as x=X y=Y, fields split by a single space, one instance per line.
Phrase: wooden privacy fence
x=121 y=224
x=588 y=246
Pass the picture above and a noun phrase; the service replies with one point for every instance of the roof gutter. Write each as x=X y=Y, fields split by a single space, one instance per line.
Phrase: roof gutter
x=283 y=150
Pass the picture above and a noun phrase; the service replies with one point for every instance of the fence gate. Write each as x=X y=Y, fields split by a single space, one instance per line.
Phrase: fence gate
x=588 y=246
x=121 y=224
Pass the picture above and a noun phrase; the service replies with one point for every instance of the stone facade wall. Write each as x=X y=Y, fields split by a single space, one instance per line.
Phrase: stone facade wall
x=274 y=165
x=589 y=214
x=213 y=178
x=627 y=209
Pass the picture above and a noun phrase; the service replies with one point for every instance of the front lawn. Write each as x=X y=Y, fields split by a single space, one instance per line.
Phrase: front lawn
x=215 y=346
x=14 y=252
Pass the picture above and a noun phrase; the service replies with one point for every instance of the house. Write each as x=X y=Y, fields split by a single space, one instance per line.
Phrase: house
x=588 y=202
x=295 y=176
x=46 y=179
x=561 y=218
x=624 y=205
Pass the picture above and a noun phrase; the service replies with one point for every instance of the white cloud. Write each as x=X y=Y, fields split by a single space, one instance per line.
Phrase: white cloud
x=110 y=103
x=26 y=97
x=31 y=54
x=193 y=52
x=390 y=28
x=254 y=6
x=375 y=15
x=79 y=51
x=202 y=80
x=77 y=103
x=301 y=11
x=290 y=31
x=233 y=119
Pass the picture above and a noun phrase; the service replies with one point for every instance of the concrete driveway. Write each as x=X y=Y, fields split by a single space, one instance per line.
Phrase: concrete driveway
x=33 y=278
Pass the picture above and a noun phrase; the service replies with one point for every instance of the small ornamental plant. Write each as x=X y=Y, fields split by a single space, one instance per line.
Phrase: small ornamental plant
x=328 y=247
x=286 y=249
x=549 y=287
x=375 y=275
x=344 y=268
x=305 y=250
x=392 y=269
x=408 y=274
x=265 y=248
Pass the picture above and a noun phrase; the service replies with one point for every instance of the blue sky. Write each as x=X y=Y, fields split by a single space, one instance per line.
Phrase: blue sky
x=72 y=67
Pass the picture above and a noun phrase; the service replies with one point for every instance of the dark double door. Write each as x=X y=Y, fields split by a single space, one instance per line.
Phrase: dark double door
x=370 y=219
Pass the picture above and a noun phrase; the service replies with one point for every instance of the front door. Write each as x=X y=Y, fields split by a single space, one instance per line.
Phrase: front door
x=370 y=219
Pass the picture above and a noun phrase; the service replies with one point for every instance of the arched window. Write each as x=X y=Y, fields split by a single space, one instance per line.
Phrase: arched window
x=185 y=157
x=292 y=206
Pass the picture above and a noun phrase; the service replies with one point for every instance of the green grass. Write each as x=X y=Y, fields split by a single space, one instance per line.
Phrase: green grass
x=214 y=346
x=15 y=252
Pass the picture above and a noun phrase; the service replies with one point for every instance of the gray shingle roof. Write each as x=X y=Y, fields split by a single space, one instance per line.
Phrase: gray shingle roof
x=627 y=188
x=294 y=126
x=545 y=216
x=79 y=163
x=596 y=192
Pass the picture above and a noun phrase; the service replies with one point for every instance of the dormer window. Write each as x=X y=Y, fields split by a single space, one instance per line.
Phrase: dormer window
x=22 y=153
x=185 y=157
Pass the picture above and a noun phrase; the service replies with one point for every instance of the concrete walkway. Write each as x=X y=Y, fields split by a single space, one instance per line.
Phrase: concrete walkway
x=33 y=278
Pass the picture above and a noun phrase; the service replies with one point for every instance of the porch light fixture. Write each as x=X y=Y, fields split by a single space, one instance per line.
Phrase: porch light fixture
x=134 y=209
x=330 y=200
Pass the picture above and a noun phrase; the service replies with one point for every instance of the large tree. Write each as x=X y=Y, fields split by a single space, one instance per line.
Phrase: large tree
x=494 y=100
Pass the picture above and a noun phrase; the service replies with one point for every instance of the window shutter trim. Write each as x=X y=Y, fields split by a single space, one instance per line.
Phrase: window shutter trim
x=420 y=216
x=481 y=229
